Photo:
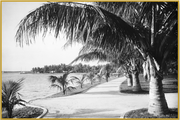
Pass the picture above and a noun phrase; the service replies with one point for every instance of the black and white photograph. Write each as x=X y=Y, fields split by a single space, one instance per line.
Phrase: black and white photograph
x=90 y=59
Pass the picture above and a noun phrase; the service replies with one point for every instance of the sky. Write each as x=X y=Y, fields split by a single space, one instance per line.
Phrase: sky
x=49 y=51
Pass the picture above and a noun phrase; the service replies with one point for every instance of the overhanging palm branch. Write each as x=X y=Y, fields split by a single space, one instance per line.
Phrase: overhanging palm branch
x=76 y=19
x=91 y=56
x=129 y=11
x=79 y=21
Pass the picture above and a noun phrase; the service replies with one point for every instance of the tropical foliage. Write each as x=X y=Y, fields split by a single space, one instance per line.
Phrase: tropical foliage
x=77 y=68
x=10 y=95
x=151 y=27
x=79 y=81
x=90 y=76
x=61 y=82
x=99 y=77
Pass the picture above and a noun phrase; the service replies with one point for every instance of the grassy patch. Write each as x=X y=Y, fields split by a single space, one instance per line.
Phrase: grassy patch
x=170 y=85
x=26 y=112
x=78 y=89
x=143 y=113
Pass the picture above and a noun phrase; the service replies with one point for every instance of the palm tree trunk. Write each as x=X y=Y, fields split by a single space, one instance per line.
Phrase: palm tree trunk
x=107 y=76
x=136 y=83
x=64 y=91
x=157 y=102
x=129 y=80
x=106 y=79
x=9 y=112
x=146 y=71
x=152 y=25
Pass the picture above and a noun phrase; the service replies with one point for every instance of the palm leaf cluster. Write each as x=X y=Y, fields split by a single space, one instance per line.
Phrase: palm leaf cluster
x=79 y=81
x=90 y=76
x=165 y=31
x=10 y=95
x=57 y=17
x=61 y=83
x=88 y=21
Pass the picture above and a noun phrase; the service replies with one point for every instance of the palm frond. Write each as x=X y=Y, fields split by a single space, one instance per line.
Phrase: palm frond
x=10 y=94
x=53 y=79
x=56 y=86
x=65 y=75
x=114 y=34
x=77 y=20
x=91 y=56
x=73 y=78
x=70 y=88
x=11 y=88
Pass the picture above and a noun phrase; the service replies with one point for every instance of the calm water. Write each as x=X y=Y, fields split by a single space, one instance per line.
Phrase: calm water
x=35 y=85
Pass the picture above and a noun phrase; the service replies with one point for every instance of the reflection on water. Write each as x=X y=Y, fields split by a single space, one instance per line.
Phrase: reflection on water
x=35 y=85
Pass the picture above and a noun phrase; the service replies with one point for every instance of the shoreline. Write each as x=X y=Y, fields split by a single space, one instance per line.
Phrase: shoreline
x=87 y=87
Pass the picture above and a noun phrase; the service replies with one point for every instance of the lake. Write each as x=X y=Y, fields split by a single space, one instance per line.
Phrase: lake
x=35 y=85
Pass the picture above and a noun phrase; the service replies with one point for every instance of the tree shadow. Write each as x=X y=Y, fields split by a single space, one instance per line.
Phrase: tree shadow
x=80 y=113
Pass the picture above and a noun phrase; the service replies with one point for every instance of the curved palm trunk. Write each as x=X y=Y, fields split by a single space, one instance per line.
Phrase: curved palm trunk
x=135 y=77
x=129 y=80
x=136 y=83
x=157 y=102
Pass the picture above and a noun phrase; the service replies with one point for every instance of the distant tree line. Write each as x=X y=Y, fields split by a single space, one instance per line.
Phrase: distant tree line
x=79 y=68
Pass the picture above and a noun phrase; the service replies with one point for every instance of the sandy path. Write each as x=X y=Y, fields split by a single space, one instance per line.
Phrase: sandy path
x=102 y=101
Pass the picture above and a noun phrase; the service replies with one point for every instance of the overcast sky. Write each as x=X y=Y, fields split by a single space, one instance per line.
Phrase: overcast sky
x=47 y=52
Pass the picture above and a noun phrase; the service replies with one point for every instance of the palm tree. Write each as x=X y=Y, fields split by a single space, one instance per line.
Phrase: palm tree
x=79 y=81
x=132 y=57
x=99 y=77
x=150 y=26
x=159 y=23
x=90 y=77
x=163 y=39
x=106 y=71
x=10 y=95
x=61 y=82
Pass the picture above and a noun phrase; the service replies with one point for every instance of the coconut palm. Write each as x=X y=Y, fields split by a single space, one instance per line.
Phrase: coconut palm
x=79 y=81
x=61 y=82
x=160 y=21
x=90 y=77
x=128 y=74
x=10 y=95
x=106 y=71
x=91 y=51
x=153 y=32
x=163 y=39
x=99 y=77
